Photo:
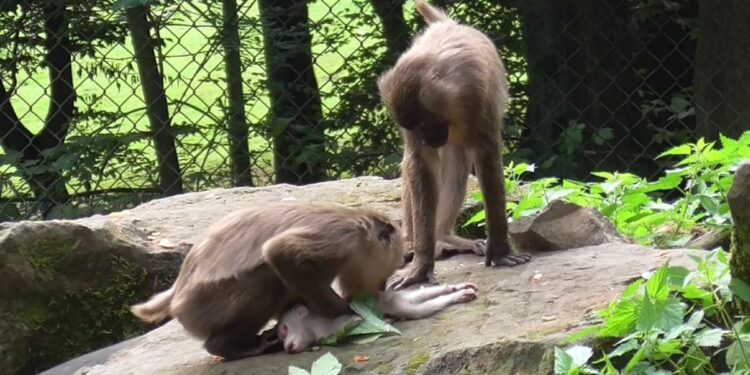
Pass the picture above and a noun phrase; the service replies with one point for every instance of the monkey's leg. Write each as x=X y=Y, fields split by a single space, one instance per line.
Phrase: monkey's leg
x=420 y=168
x=430 y=292
x=407 y=223
x=432 y=300
x=489 y=163
x=307 y=265
x=455 y=167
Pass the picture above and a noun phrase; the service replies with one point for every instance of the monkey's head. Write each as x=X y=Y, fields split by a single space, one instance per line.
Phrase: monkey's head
x=299 y=329
x=428 y=127
x=412 y=101
x=380 y=252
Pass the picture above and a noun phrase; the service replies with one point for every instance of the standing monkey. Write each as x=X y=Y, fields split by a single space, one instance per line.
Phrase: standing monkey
x=448 y=93
x=255 y=264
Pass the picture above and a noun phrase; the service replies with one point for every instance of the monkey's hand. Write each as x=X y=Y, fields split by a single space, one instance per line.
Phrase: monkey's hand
x=502 y=255
x=410 y=275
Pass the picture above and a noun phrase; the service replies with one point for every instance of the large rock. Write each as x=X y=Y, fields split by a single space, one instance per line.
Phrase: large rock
x=66 y=285
x=521 y=313
x=563 y=225
x=65 y=288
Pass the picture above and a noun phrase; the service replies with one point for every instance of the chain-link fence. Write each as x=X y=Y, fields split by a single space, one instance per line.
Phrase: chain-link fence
x=104 y=104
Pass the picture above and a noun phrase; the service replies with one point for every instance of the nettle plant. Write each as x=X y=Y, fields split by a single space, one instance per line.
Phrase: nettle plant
x=672 y=321
x=701 y=178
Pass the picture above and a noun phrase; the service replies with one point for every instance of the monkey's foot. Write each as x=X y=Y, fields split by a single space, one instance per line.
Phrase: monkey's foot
x=504 y=256
x=463 y=286
x=410 y=275
x=452 y=245
x=463 y=296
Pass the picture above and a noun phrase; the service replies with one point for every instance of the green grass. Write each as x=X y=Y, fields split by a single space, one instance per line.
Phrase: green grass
x=194 y=76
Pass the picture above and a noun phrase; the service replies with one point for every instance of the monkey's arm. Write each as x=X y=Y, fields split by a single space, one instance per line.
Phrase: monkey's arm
x=307 y=261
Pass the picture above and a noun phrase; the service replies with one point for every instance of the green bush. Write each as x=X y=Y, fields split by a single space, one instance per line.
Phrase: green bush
x=675 y=322
x=688 y=200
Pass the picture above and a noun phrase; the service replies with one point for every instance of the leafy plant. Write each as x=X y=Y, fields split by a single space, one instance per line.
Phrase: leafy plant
x=325 y=365
x=673 y=321
x=688 y=200
x=369 y=329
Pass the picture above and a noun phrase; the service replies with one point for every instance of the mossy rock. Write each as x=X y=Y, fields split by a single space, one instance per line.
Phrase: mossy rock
x=66 y=289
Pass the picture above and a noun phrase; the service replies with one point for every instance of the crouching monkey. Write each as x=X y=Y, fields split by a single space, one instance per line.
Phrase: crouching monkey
x=448 y=93
x=254 y=264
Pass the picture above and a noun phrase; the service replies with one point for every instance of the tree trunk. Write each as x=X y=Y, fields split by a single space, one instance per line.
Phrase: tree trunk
x=47 y=183
x=578 y=55
x=739 y=205
x=239 y=154
x=396 y=32
x=722 y=74
x=296 y=122
x=152 y=84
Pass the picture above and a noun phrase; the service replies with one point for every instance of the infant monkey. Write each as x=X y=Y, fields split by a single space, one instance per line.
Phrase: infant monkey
x=299 y=328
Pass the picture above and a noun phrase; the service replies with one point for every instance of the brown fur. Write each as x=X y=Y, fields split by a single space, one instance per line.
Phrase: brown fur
x=448 y=93
x=256 y=263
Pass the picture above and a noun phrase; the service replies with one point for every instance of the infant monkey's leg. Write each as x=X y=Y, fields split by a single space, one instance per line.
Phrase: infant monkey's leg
x=421 y=303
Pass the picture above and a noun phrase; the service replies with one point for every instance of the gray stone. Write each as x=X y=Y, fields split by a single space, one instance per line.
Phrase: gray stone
x=521 y=313
x=65 y=288
x=563 y=225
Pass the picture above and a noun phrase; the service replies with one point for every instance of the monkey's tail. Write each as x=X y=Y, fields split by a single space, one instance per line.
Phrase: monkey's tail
x=155 y=309
x=430 y=13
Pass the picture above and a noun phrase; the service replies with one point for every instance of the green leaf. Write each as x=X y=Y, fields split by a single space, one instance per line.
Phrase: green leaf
x=297 y=371
x=709 y=337
x=582 y=334
x=738 y=354
x=326 y=365
x=580 y=354
x=369 y=329
x=663 y=315
x=657 y=287
x=619 y=320
x=623 y=348
x=476 y=218
x=563 y=362
x=677 y=150
x=740 y=289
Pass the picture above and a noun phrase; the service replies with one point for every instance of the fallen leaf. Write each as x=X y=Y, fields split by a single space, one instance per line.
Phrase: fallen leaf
x=167 y=244
x=548 y=318
x=361 y=359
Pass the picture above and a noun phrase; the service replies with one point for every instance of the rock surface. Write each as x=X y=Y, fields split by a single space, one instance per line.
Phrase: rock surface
x=563 y=225
x=510 y=329
x=739 y=204
x=69 y=283
x=64 y=289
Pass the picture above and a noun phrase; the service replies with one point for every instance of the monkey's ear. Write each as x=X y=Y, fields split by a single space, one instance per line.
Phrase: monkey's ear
x=384 y=230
